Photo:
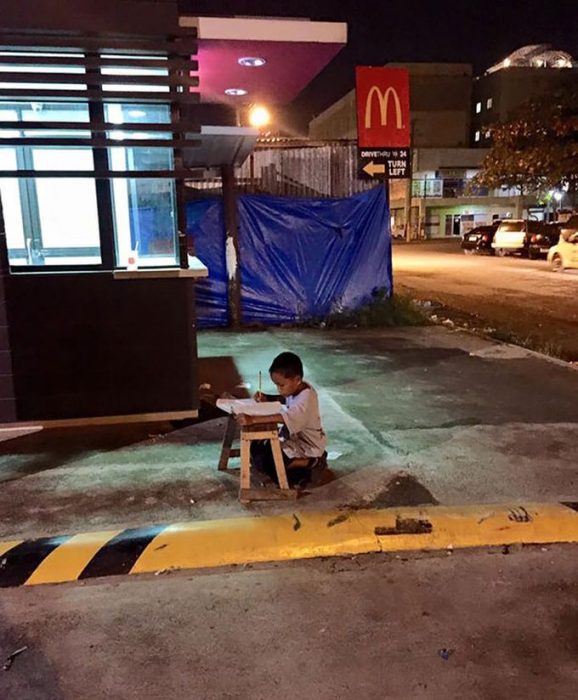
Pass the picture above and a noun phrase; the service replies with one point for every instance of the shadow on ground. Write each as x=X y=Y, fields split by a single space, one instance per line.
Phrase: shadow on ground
x=54 y=447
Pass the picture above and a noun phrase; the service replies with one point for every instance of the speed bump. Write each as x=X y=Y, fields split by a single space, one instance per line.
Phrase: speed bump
x=299 y=535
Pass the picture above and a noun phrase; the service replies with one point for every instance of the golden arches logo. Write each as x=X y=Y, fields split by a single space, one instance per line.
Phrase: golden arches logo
x=383 y=101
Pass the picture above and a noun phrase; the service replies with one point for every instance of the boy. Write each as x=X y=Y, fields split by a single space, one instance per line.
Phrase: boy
x=303 y=441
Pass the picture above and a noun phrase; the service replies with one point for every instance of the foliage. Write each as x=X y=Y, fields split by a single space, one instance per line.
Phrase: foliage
x=537 y=150
x=380 y=312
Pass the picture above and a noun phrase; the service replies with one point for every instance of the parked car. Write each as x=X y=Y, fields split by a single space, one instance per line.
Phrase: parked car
x=513 y=236
x=565 y=253
x=540 y=243
x=571 y=222
x=479 y=239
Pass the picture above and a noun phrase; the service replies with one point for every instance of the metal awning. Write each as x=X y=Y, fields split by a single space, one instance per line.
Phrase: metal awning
x=221 y=145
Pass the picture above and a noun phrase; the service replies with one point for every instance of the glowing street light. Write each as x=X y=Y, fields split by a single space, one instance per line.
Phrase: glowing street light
x=259 y=116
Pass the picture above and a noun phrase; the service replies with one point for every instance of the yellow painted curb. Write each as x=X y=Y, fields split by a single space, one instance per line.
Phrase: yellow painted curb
x=7 y=546
x=215 y=543
x=306 y=535
x=242 y=540
x=67 y=562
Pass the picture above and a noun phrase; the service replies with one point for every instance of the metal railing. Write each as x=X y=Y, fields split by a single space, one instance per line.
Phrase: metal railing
x=296 y=168
x=452 y=188
x=301 y=168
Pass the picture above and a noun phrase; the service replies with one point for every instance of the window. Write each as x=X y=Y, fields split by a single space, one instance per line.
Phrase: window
x=477 y=136
x=13 y=220
x=489 y=103
x=139 y=71
x=49 y=221
x=143 y=209
x=478 y=107
x=67 y=209
x=55 y=219
x=144 y=221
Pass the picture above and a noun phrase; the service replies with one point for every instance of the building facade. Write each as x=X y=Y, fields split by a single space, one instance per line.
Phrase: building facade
x=440 y=99
x=101 y=129
x=451 y=112
x=525 y=75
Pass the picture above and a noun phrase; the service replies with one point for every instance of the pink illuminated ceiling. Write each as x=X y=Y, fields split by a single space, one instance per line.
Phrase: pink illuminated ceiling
x=289 y=68
x=295 y=51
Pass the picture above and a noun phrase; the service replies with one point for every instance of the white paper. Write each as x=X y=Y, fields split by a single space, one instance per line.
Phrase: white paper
x=250 y=407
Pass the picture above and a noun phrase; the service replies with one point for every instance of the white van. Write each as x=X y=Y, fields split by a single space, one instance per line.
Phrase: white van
x=515 y=235
x=511 y=237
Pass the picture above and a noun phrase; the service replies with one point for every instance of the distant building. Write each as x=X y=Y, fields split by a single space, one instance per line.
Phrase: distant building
x=526 y=74
x=450 y=114
x=440 y=99
x=436 y=202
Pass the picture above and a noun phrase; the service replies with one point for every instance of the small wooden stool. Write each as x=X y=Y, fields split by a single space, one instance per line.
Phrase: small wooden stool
x=265 y=431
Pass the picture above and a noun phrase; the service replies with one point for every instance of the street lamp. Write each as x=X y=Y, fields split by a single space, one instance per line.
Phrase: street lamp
x=259 y=116
x=557 y=197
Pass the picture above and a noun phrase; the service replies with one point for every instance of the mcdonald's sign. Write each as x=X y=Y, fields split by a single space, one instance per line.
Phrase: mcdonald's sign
x=383 y=123
x=383 y=119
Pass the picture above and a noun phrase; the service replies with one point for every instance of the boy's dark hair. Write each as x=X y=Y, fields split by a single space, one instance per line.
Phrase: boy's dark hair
x=288 y=364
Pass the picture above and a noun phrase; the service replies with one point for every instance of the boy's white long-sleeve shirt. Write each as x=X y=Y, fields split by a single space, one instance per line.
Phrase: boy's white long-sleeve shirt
x=302 y=435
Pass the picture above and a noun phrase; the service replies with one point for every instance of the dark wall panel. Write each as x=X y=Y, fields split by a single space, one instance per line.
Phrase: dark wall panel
x=131 y=16
x=87 y=345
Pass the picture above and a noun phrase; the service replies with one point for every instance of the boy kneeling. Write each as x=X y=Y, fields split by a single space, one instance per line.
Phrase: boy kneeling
x=303 y=441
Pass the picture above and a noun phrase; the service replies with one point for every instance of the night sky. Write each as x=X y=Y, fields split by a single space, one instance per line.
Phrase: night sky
x=380 y=31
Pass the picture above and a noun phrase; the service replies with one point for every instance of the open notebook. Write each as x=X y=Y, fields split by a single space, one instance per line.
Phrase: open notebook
x=250 y=407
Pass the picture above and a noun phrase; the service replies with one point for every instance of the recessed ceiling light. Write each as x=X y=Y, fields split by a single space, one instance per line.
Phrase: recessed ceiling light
x=252 y=61
x=236 y=92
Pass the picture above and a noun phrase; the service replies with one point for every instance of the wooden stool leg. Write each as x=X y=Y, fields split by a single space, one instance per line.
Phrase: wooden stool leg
x=245 y=463
x=227 y=443
x=279 y=464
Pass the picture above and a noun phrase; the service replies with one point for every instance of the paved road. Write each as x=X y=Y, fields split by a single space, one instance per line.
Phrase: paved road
x=369 y=627
x=515 y=295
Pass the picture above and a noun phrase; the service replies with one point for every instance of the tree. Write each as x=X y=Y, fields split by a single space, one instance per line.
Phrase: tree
x=537 y=150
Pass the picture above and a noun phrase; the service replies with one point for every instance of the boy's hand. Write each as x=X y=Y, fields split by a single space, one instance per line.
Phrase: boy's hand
x=260 y=397
x=243 y=419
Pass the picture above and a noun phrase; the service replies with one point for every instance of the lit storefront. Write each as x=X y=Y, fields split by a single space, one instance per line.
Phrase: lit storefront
x=103 y=122
x=96 y=288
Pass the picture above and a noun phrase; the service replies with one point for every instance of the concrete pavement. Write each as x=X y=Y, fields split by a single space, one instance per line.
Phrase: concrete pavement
x=371 y=627
x=414 y=416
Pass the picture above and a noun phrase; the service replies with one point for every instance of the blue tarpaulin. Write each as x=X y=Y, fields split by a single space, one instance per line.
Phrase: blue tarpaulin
x=299 y=258
x=205 y=226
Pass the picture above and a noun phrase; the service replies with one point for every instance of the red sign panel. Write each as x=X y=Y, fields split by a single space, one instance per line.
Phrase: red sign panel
x=382 y=107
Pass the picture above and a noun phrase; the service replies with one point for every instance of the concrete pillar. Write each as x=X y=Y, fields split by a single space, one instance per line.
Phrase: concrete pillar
x=422 y=212
x=407 y=209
